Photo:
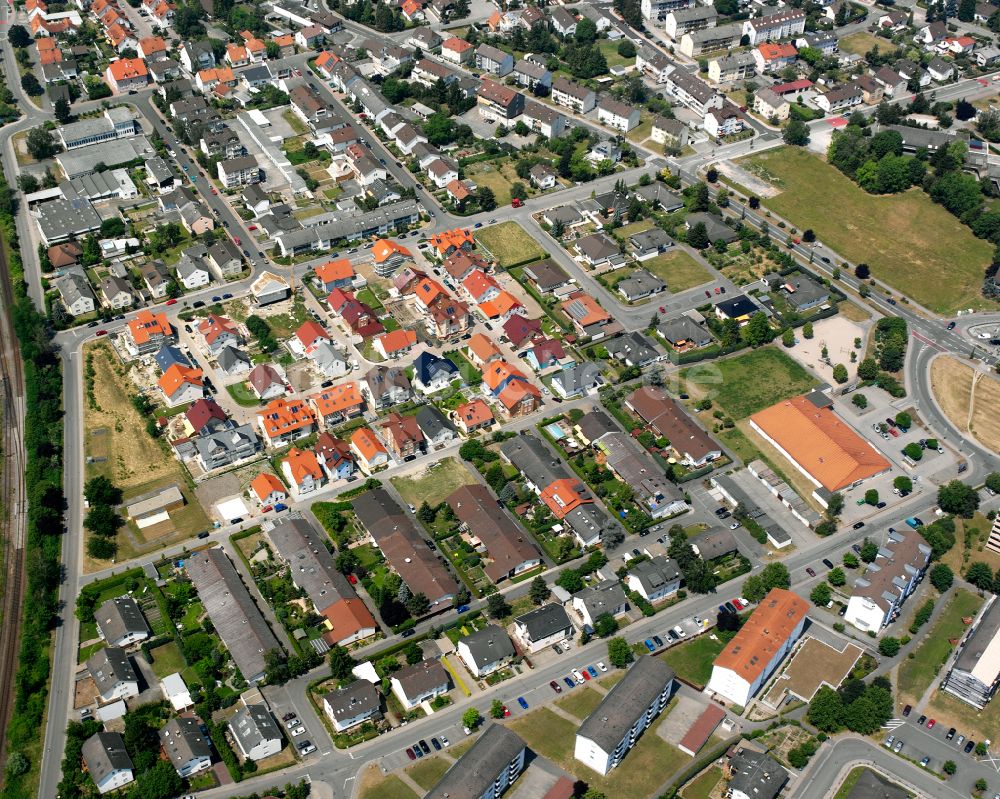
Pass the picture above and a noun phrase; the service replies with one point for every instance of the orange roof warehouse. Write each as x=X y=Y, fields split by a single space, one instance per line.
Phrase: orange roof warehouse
x=819 y=443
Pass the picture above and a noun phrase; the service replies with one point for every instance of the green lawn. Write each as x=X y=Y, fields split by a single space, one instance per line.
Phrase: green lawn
x=701 y=786
x=861 y=42
x=243 y=395
x=611 y=55
x=754 y=380
x=581 y=703
x=428 y=771
x=487 y=174
x=510 y=244
x=368 y=297
x=433 y=485
x=692 y=660
x=679 y=269
x=916 y=674
x=167 y=659
x=392 y=787
x=908 y=241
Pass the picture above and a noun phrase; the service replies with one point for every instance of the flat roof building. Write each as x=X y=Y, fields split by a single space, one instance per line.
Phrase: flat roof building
x=629 y=708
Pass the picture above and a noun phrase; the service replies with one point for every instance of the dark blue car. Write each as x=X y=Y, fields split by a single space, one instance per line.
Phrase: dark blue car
x=569 y=682
x=521 y=701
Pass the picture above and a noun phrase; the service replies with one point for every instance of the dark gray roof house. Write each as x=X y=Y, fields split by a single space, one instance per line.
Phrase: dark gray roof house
x=544 y=622
x=595 y=424
x=640 y=284
x=532 y=458
x=491 y=764
x=229 y=605
x=359 y=698
x=107 y=761
x=649 y=243
x=186 y=745
x=755 y=774
x=435 y=427
x=632 y=349
x=488 y=645
x=713 y=544
x=683 y=333
x=112 y=672
x=714 y=226
x=120 y=621
x=547 y=275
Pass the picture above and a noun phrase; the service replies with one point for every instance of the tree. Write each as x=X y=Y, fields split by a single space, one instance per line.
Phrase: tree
x=775 y=575
x=102 y=520
x=949 y=767
x=697 y=236
x=626 y=49
x=796 y=133
x=426 y=513
x=497 y=710
x=586 y=31
x=101 y=491
x=914 y=452
x=869 y=550
x=980 y=575
x=159 y=782
x=835 y=505
x=904 y=420
x=485 y=198
x=347 y=561
x=826 y=711
x=758 y=330
x=61 y=110
x=341 y=663
x=619 y=652
x=850 y=560
x=807 y=330
x=788 y=338
x=862 y=272
x=31 y=85
x=860 y=401
x=868 y=369
x=41 y=144
x=539 y=590
x=889 y=646
x=821 y=595
x=605 y=625
x=902 y=483
x=837 y=577
x=101 y=548
x=840 y=373
x=497 y=607
x=958 y=498
x=871 y=496
x=981 y=784
x=981 y=749
x=630 y=11
x=471 y=719
x=18 y=36
x=993 y=481
x=418 y=605
x=942 y=577
x=570 y=580
x=753 y=588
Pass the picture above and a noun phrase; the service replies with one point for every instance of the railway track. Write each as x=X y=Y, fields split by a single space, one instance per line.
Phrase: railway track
x=13 y=501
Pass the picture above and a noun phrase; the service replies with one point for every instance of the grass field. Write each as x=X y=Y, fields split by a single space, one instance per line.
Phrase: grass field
x=951 y=712
x=391 y=787
x=701 y=786
x=487 y=174
x=428 y=771
x=581 y=703
x=692 y=660
x=907 y=240
x=752 y=381
x=679 y=269
x=650 y=763
x=978 y=528
x=433 y=485
x=242 y=395
x=861 y=42
x=167 y=659
x=611 y=54
x=952 y=382
x=917 y=674
x=509 y=243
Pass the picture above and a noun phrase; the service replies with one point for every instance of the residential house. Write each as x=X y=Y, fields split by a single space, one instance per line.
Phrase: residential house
x=266 y=382
x=595 y=601
x=473 y=416
x=724 y=121
x=302 y=471
x=640 y=285
x=334 y=455
x=146 y=332
x=431 y=373
x=573 y=95
x=402 y=435
x=180 y=385
x=107 y=761
x=458 y=51
x=420 y=682
x=531 y=74
x=840 y=98
x=708 y=40
x=684 y=20
x=186 y=746
x=113 y=674
x=691 y=445
x=127 y=75
x=784 y=24
x=268 y=489
x=588 y=318
x=654 y=579
x=282 y=421
x=654 y=64
x=255 y=732
x=489 y=767
x=878 y=594
x=617 y=115
x=371 y=455
x=116 y=292
x=543 y=119
x=732 y=68
x=632 y=349
x=385 y=387
x=497 y=102
x=485 y=651
x=219 y=332
x=120 y=622
x=543 y=627
x=496 y=62
x=226 y=447
x=770 y=106
x=669 y=132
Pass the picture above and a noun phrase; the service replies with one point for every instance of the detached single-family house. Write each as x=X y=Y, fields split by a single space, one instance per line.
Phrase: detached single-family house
x=420 y=682
x=486 y=651
x=543 y=627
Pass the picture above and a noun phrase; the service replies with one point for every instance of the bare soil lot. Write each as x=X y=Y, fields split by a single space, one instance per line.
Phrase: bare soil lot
x=968 y=398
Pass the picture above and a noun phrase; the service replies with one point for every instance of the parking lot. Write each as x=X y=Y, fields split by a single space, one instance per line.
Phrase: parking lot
x=925 y=741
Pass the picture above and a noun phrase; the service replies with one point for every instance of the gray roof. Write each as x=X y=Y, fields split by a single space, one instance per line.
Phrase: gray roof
x=542 y=113
x=566 y=214
x=682 y=329
x=650 y=239
x=640 y=283
x=624 y=703
x=547 y=274
x=350 y=224
x=756 y=774
x=119 y=617
x=597 y=246
x=974 y=647
x=353 y=700
x=473 y=775
x=223 y=251
x=657 y=192
x=159 y=170
x=432 y=422
x=111 y=153
x=488 y=645
x=532 y=458
x=73 y=285
x=713 y=544
x=253 y=725
x=421 y=677
x=187 y=266
x=602 y=598
x=109 y=667
x=545 y=621
x=104 y=753
x=633 y=347
x=807 y=291
x=596 y=424
x=61 y=218
x=714 y=226
x=183 y=741
x=588 y=521
x=636 y=467
x=696 y=13
x=232 y=610
x=232 y=440
x=655 y=573
x=309 y=561
x=229 y=356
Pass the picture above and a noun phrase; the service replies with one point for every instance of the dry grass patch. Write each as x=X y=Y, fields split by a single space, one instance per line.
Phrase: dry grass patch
x=372 y=785
x=954 y=383
x=509 y=243
x=433 y=485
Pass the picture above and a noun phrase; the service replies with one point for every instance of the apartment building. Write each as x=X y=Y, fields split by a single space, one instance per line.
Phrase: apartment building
x=880 y=592
x=573 y=96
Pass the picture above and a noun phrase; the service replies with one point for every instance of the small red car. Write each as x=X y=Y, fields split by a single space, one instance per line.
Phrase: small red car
x=516 y=203
x=214 y=191
x=931 y=723
x=171 y=302
x=236 y=240
x=252 y=227
x=506 y=711
x=352 y=579
x=663 y=309
x=586 y=674
x=101 y=333
x=409 y=754
x=718 y=290
x=266 y=508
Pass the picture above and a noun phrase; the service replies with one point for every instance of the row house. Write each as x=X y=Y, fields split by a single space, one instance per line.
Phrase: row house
x=653 y=64
x=732 y=68
x=707 y=40
x=530 y=74
x=543 y=119
x=782 y=25
x=618 y=115
x=498 y=103
x=573 y=95
x=428 y=73
x=686 y=20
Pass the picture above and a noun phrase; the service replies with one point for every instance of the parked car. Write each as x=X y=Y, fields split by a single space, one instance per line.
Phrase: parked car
x=810 y=572
x=898 y=746
x=931 y=723
x=921 y=720
x=858 y=525
x=656 y=640
x=298 y=730
x=890 y=741
x=680 y=631
x=424 y=747
x=555 y=686
x=577 y=676
x=925 y=762
x=307 y=747
x=591 y=671
x=828 y=563
x=602 y=667
x=969 y=746
x=409 y=754
x=950 y=734
x=436 y=744
x=569 y=682
x=522 y=702
x=907 y=710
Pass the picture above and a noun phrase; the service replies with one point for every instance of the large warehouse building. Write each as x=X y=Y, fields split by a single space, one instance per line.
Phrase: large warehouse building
x=819 y=443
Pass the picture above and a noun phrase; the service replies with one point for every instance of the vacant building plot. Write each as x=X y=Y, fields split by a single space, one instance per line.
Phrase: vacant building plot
x=680 y=270
x=434 y=483
x=905 y=238
x=968 y=398
x=510 y=244
x=816 y=663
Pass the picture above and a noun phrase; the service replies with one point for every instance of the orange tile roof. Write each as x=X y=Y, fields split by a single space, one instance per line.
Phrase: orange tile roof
x=49 y=56
x=146 y=325
x=458 y=190
x=152 y=44
x=302 y=463
x=384 y=249
x=820 y=443
x=117 y=34
x=176 y=376
x=284 y=41
x=562 y=496
x=347 y=618
x=337 y=399
x=310 y=332
x=456 y=44
x=264 y=484
x=126 y=68
x=514 y=393
x=410 y=7
x=499 y=305
x=474 y=413
x=236 y=53
x=366 y=443
x=397 y=340
x=594 y=312
x=763 y=634
x=214 y=326
x=255 y=45
x=46 y=44
x=281 y=416
x=221 y=74
x=478 y=283
x=773 y=50
x=427 y=290
x=456 y=238
x=498 y=371
x=326 y=59
x=484 y=349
